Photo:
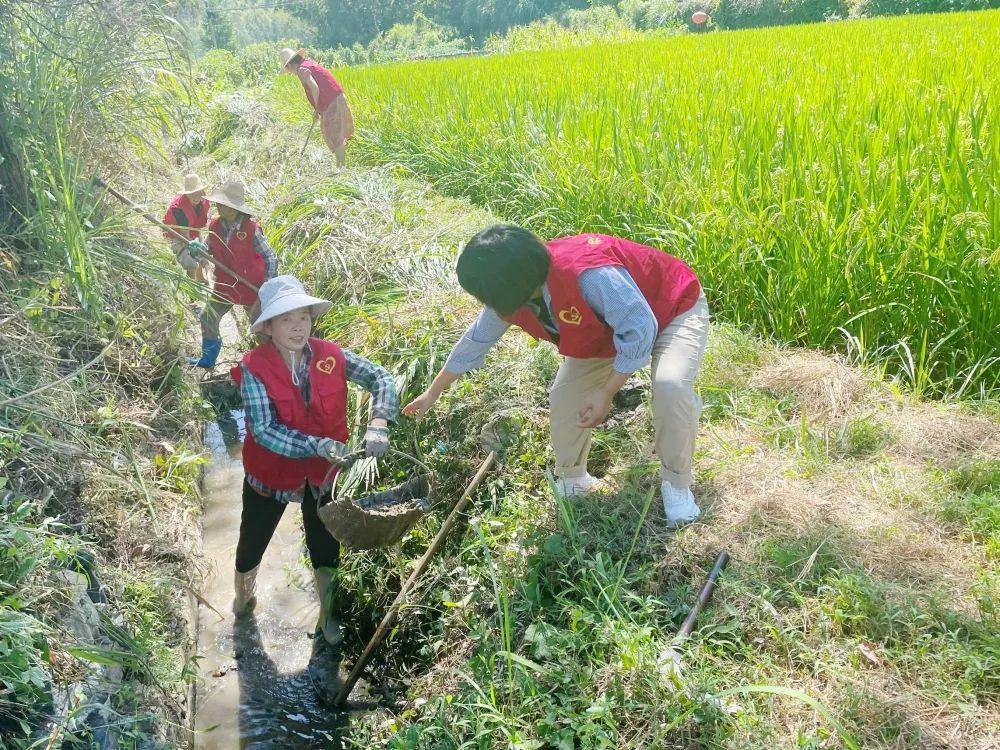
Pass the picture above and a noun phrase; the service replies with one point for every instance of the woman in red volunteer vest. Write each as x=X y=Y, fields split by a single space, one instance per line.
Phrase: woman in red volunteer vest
x=294 y=389
x=188 y=215
x=236 y=243
x=327 y=98
x=612 y=307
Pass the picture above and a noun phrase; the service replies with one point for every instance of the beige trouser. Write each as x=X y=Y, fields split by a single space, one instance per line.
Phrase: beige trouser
x=337 y=126
x=677 y=355
x=214 y=311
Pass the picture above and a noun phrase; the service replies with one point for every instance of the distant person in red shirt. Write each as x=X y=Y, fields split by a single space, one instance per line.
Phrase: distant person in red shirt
x=187 y=214
x=235 y=243
x=612 y=307
x=327 y=98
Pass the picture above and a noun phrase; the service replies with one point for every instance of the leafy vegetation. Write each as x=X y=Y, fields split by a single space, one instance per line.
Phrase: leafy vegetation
x=859 y=609
x=828 y=198
x=349 y=27
x=97 y=456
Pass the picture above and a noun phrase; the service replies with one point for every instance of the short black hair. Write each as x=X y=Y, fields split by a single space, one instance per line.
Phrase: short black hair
x=502 y=266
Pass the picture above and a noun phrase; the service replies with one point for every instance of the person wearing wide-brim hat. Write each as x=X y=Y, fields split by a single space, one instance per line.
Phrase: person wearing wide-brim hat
x=188 y=215
x=327 y=98
x=236 y=242
x=294 y=389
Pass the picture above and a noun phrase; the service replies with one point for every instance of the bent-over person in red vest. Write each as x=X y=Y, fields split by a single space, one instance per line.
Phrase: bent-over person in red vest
x=294 y=389
x=327 y=98
x=612 y=307
x=236 y=244
x=187 y=215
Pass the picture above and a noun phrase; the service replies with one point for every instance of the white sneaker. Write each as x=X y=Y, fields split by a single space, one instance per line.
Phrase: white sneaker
x=679 y=505
x=577 y=486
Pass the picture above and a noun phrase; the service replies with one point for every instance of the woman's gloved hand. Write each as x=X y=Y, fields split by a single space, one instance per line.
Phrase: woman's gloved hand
x=333 y=450
x=197 y=249
x=376 y=441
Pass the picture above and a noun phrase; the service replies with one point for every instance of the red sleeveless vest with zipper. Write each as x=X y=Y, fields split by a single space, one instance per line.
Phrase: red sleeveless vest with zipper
x=329 y=87
x=667 y=283
x=241 y=256
x=324 y=416
x=196 y=215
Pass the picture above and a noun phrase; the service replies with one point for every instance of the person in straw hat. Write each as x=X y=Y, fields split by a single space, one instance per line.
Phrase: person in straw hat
x=327 y=98
x=235 y=242
x=188 y=215
x=294 y=388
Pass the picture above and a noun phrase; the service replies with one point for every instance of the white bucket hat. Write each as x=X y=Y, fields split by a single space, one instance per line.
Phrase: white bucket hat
x=232 y=194
x=283 y=294
x=192 y=184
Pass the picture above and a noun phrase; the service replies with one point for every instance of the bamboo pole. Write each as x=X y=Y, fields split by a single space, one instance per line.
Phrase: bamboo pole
x=166 y=227
x=393 y=614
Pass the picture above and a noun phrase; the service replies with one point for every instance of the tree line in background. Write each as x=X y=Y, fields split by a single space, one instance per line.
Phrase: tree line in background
x=389 y=26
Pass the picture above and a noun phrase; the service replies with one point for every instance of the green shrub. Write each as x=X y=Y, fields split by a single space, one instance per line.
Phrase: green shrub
x=859 y=8
x=421 y=37
x=219 y=69
x=266 y=25
x=741 y=14
x=260 y=62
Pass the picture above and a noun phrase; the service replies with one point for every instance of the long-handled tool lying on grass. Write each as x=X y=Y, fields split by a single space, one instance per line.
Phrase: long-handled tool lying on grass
x=393 y=614
x=704 y=597
x=167 y=228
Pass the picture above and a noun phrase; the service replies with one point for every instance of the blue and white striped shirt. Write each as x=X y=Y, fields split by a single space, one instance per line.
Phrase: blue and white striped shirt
x=611 y=293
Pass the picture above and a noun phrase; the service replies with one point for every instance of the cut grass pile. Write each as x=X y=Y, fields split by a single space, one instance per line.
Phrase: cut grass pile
x=861 y=521
x=834 y=185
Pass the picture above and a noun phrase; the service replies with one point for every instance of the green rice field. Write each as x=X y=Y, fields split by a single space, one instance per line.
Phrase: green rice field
x=834 y=185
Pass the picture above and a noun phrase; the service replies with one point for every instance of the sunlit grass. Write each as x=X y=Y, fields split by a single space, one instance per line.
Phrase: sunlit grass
x=834 y=185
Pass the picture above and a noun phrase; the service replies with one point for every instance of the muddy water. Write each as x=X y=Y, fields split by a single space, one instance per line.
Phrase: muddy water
x=253 y=689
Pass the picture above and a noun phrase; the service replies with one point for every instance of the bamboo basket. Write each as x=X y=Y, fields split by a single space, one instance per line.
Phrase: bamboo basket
x=391 y=514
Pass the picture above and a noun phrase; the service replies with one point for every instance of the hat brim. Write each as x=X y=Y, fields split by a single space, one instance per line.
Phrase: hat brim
x=227 y=201
x=279 y=307
x=301 y=52
x=199 y=189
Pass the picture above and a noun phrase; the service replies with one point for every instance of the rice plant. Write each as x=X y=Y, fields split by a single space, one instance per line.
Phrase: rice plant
x=833 y=185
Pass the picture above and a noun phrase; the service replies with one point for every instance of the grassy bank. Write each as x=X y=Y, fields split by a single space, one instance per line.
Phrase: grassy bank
x=859 y=609
x=834 y=185
x=98 y=431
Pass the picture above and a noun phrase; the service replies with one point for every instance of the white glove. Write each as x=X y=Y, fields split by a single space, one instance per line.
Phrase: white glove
x=376 y=441
x=333 y=451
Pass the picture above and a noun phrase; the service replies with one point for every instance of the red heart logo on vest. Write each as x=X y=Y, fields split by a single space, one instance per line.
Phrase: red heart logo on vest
x=241 y=235
x=326 y=366
x=571 y=316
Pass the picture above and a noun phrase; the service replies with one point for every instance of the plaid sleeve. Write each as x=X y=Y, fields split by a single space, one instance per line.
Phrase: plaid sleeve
x=263 y=249
x=378 y=381
x=267 y=431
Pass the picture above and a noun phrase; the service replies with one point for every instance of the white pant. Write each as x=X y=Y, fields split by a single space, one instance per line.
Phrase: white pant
x=677 y=355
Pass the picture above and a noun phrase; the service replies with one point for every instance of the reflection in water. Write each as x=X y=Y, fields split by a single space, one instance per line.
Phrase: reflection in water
x=279 y=710
x=265 y=697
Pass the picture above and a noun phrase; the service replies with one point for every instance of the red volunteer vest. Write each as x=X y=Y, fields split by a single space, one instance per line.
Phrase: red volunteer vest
x=668 y=284
x=196 y=216
x=324 y=416
x=329 y=88
x=240 y=256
